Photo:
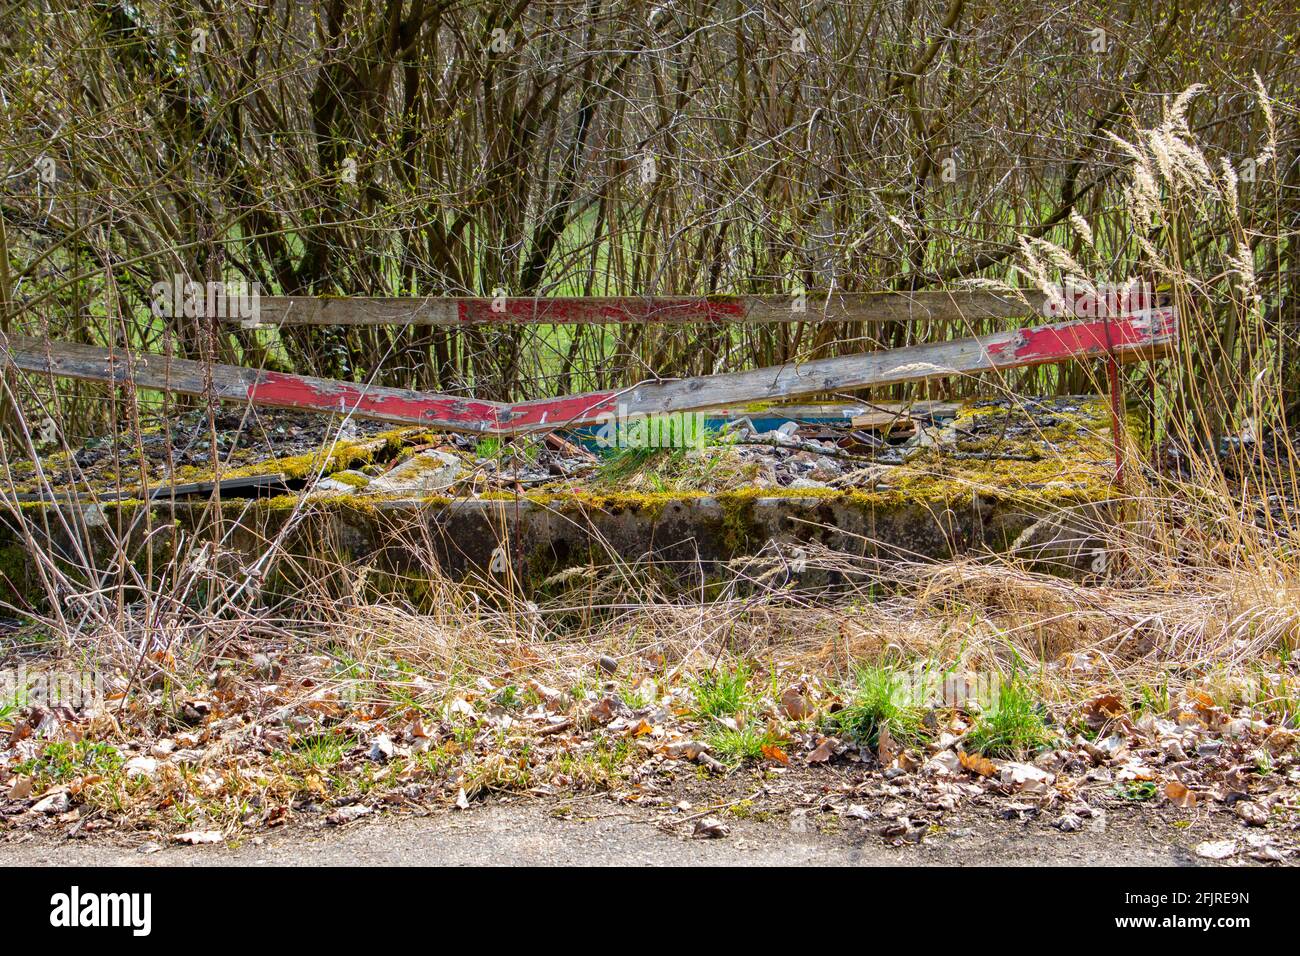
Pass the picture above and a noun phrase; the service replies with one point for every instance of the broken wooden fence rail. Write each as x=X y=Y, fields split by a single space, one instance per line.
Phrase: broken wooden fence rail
x=1120 y=338
x=870 y=307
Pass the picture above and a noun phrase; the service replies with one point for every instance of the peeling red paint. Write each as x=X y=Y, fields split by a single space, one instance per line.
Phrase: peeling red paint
x=1073 y=340
x=616 y=311
x=556 y=412
x=276 y=388
x=1025 y=347
x=1029 y=346
x=293 y=391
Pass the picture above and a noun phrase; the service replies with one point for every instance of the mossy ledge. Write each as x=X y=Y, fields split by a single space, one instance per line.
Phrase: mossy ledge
x=681 y=535
x=933 y=505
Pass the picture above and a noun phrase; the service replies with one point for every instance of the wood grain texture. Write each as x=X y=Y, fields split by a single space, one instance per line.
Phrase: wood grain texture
x=233 y=383
x=870 y=307
x=1131 y=337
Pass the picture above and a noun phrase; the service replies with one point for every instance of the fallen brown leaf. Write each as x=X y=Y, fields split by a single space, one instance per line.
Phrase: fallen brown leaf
x=1252 y=813
x=710 y=828
x=773 y=752
x=1102 y=709
x=825 y=750
x=977 y=763
x=794 y=705
x=886 y=749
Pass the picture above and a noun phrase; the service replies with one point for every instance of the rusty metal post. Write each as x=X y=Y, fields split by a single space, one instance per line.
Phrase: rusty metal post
x=1116 y=419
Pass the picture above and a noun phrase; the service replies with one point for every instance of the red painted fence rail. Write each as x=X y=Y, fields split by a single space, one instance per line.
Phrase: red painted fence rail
x=1122 y=338
x=870 y=307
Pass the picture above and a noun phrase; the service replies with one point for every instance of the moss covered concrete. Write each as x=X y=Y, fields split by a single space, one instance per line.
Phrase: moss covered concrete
x=933 y=505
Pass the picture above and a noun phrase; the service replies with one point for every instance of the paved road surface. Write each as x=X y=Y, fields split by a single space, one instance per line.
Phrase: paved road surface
x=599 y=832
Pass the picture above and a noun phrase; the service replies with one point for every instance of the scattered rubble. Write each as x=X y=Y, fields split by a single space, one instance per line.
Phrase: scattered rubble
x=267 y=450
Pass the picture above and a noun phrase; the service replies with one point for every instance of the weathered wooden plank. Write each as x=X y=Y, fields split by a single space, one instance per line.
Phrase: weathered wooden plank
x=233 y=383
x=872 y=307
x=1127 y=337
x=845 y=410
